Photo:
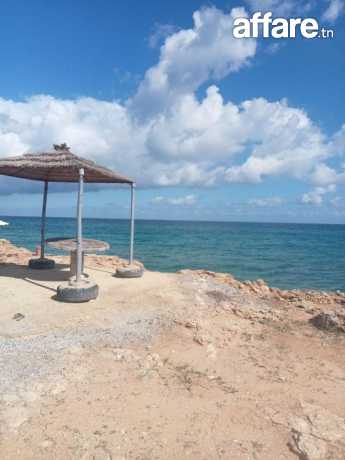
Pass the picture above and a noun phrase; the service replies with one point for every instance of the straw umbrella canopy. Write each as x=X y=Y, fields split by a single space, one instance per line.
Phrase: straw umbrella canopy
x=61 y=165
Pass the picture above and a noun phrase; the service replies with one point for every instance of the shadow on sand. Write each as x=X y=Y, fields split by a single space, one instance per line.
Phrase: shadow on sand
x=23 y=272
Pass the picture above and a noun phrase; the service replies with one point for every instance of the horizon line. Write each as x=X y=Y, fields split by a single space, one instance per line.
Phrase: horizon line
x=182 y=220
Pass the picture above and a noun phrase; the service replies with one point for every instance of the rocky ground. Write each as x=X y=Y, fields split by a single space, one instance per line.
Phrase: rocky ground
x=189 y=365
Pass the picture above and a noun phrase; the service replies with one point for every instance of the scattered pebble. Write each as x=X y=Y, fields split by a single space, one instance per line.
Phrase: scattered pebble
x=18 y=317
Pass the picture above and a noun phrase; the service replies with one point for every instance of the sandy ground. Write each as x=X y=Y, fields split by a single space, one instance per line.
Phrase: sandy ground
x=170 y=366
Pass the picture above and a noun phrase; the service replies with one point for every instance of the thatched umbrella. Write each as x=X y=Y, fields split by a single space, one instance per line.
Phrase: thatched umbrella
x=62 y=165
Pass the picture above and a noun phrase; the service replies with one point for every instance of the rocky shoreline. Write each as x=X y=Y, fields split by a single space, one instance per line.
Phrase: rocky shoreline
x=326 y=309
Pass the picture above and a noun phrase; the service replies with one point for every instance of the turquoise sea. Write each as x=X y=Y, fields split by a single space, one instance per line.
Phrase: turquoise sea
x=285 y=255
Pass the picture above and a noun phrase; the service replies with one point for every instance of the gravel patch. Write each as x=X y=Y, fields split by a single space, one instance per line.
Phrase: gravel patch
x=30 y=358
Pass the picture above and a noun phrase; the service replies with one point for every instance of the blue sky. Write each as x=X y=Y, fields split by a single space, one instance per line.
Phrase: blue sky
x=210 y=128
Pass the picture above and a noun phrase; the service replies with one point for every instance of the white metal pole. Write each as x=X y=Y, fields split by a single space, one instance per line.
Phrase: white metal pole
x=79 y=225
x=43 y=220
x=131 y=246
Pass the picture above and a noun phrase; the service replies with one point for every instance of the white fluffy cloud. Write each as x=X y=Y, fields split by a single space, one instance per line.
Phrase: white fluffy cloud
x=334 y=10
x=187 y=200
x=295 y=8
x=279 y=7
x=165 y=135
x=102 y=131
x=191 y=57
x=160 y=32
x=266 y=202
x=315 y=197
x=282 y=7
x=338 y=205
x=195 y=142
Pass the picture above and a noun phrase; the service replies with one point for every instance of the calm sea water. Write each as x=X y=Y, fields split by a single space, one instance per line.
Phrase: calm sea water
x=285 y=255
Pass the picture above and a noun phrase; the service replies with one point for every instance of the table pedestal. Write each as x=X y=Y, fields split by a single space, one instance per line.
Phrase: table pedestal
x=73 y=262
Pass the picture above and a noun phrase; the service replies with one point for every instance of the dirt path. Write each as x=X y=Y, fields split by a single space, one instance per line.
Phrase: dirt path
x=171 y=366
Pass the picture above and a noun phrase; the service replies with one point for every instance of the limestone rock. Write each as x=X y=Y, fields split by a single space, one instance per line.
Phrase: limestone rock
x=308 y=447
x=101 y=454
x=201 y=338
x=312 y=431
x=326 y=321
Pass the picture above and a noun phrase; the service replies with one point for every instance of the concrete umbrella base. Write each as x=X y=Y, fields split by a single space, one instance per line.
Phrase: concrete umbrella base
x=77 y=292
x=131 y=271
x=41 y=264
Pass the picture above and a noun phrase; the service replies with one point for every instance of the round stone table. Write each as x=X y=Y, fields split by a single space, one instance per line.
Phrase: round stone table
x=70 y=244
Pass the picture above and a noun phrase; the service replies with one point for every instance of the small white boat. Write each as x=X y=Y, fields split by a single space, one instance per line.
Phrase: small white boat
x=3 y=223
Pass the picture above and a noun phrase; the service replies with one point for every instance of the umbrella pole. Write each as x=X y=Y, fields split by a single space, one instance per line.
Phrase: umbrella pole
x=42 y=263
x=43 y=220
x=131 y=245
x=131 y=271
x=79 y=225
x=81 y=290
